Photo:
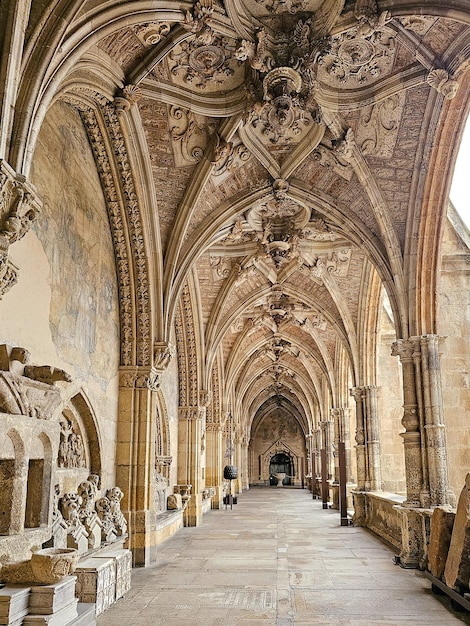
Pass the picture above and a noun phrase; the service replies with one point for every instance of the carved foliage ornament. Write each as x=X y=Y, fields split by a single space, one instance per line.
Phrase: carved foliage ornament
x=228 y=156
x=359 y=56
x=116 y=215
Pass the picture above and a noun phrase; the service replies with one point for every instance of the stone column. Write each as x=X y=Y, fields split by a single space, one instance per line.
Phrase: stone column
x=371 y=425
x=237 y=484
x=357 y=394
x=214 y=462
x=434 y=428
x=135 y=461
x=189 y=460
x=412 y=436
x=337 y=437
x=245 y=478
x=359 y=498
x=310 y=469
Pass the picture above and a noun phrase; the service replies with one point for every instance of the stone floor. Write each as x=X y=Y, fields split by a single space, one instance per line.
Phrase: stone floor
x=277 y=558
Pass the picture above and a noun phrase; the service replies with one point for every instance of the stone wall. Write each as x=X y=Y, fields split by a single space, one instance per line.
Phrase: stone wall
x=454 y=324
x=64 y=309
x=390 y=409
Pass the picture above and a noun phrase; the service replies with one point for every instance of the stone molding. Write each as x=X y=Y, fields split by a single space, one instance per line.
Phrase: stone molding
x=125 y=223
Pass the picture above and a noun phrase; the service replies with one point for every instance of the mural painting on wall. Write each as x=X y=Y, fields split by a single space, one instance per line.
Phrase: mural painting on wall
x=74 y=231
x=277 y=427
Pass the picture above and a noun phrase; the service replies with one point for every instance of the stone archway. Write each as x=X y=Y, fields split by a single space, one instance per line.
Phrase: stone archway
x=281 y=463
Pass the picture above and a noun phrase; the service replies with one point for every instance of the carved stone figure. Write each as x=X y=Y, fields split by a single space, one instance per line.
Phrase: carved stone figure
x=103 y=508
x=71 y=449
x=87 y=490
x=77 y=536
x=115 y=495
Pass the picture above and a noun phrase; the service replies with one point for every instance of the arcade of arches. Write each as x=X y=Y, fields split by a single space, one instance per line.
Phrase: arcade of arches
x=225 y=238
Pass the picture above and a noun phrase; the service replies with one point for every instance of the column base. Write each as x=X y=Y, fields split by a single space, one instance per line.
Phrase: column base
x=142 y=537
x=193 y=512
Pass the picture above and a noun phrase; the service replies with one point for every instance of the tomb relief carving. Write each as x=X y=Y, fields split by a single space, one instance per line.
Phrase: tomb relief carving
x=19 y=209
x=27 y=389
x=71 y=448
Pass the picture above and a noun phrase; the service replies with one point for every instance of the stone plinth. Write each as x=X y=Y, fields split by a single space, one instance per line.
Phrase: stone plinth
x=62 y=617
x=442 y=522
x=457 y=569
x=96 y=582
x=48 y=599
x=123 y=568
x=13 y=604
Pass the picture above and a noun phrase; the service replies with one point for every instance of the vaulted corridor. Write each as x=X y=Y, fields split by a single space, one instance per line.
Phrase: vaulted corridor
x=277 y=558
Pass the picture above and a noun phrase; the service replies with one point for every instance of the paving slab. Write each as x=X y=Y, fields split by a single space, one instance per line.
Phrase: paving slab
x=278 y=558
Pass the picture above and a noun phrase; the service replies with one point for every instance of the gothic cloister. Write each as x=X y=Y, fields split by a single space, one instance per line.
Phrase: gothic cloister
x=226 y=241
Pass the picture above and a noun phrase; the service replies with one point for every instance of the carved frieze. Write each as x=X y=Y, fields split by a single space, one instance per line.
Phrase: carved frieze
x=284 y=6
x=120 y=224
x=377 y=132
x=361 y=54
x=187 y=351
x=203 y=64
x=337 y=154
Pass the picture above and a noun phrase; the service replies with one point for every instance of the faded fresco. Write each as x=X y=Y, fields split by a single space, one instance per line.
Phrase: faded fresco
x=74 y=230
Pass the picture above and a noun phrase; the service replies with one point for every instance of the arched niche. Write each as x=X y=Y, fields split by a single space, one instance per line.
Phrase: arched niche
x=12 y=463
x=79 y=452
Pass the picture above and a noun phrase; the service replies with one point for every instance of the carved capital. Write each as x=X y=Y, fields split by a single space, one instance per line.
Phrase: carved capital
x=403 y=348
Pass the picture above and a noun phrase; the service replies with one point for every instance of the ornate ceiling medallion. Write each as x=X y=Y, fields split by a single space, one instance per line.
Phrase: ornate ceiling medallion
x=360 y=54
x=202 y=64
x=281 y=94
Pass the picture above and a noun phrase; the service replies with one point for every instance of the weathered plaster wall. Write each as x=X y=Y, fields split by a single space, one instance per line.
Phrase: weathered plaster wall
x=454 y=324
x=64 y=309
